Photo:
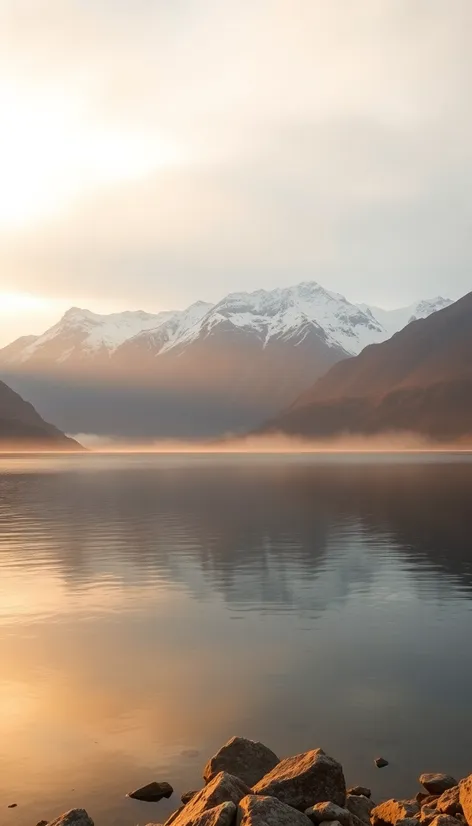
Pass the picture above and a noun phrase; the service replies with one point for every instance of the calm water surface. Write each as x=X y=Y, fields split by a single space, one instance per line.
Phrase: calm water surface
x=151 y=607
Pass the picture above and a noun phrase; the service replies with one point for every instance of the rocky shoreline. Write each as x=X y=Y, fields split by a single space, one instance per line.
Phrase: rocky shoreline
x=246 y=784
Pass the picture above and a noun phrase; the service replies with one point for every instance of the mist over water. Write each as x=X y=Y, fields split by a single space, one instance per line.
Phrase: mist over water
x=151 y=606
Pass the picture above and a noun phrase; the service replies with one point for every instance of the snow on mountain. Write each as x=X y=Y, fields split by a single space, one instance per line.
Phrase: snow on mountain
x=289 y=314
x=395 y=320
x=84 y=333
x=282 y=315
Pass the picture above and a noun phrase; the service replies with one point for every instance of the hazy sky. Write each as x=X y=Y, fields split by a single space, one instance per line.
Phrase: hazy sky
x=153 y=153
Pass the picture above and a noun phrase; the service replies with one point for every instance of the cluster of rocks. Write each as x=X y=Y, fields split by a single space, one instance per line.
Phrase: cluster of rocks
x=247 y=785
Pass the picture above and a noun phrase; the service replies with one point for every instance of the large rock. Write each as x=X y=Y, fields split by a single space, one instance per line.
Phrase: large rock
x=222 y=815
x=407 y=821
x=223 y=788
x=360 y=791
x=328 y=812
x=153 y=792
x=465 y=796
x=75 y=817
x=446 y=820
x=390 y=812
x=304 y=780
x=449 y=803
x=246 y=759
x=360 y=806
x=256 y=810
x=187 y=796
x=428 y=814
x=437 y=783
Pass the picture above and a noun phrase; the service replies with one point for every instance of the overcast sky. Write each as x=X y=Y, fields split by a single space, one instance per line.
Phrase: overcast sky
x=154 y=153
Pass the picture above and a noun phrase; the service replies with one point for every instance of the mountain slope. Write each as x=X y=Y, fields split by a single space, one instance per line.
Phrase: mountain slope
x=21 y=426
x=194 y=373
x=419 y=380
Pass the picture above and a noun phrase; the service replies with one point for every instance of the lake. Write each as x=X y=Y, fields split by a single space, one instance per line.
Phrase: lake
x=151 y=606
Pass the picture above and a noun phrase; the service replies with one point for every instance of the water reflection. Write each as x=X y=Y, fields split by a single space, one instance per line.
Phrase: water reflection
x=151 y=607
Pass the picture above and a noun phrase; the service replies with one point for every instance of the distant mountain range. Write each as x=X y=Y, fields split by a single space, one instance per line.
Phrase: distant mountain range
x=21 y=426
x=200 y=372
x=419 y=381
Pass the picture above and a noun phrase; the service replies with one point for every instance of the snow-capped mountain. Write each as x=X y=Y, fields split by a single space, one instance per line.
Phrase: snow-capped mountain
x=395 y=320
x=195 y=372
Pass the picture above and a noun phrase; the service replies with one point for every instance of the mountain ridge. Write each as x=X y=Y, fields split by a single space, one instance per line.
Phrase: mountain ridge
x=195 y=373
x=419 y=380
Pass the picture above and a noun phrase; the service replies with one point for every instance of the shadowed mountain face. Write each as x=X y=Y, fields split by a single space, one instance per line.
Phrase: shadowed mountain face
x=197 y=373
x=420 y=380
x=21 y=426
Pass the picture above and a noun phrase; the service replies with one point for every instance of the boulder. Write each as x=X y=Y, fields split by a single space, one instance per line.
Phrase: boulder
x=437 y=783
x=428 y=814
x=223 y=788
x=449 y=803
x=246 y=759
x=304 y=780
x=407 y=821
x=360 y=791
x=153 y=792
x=359 y=806
x=446 y=820
x=222 y=815
x=381 y=762
x=173 y=816
x=75 y=817
x=465 y=797
x=390 y=812
x=427 y=799
x=329 y=812
x=187 y=796
x=258 y=810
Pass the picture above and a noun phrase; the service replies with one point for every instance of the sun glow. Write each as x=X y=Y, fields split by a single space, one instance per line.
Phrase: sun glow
x=52 y=152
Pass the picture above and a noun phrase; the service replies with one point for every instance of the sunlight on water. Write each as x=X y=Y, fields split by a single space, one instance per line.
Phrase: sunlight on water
x=152 y=606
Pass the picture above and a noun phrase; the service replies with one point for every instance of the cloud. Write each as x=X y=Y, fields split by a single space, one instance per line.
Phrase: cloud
x=312 y=140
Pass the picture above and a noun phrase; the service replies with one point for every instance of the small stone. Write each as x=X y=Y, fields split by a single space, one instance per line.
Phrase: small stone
x=449 y=802
x=187 y=796
x=381 y=762
x=360 y=807
x=328 y=812
x=153 y=792
x=304 y=780
x=13 y=805
x=42 y=823
x=261 y=810
x=247 y=759
x=388 y=813
x=437 y=783
x=360 y=791
x=75 y=817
